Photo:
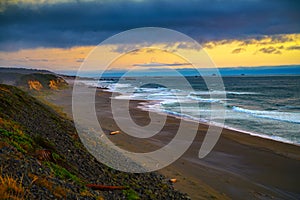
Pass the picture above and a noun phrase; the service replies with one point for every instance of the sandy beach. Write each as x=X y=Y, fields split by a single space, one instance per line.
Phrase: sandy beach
x=240 y=166
x=194 y=99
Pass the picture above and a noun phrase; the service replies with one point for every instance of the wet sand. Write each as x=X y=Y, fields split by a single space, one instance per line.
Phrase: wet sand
x=240 y=166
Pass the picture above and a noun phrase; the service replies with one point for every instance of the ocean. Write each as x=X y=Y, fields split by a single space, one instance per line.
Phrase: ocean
x=266 y=106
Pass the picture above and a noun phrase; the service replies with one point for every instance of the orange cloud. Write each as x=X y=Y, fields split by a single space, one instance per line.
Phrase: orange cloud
x=263 y=51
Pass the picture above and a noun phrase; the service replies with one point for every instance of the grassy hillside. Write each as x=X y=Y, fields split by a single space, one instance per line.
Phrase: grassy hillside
x=11 y=75
x=41 y=157
x=40 y=82
x=32 y=79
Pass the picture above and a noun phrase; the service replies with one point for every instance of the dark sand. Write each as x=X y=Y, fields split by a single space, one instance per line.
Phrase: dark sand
x=239 y=167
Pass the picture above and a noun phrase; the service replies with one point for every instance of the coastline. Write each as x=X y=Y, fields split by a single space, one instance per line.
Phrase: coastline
x=239 y=165
x=143 y=106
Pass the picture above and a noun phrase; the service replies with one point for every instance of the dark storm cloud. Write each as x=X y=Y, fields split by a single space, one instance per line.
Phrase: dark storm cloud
x=80 y=60
x=88 y=23
x=260 y=40
x=270 y=50
x=293 y=48
x=238 y=50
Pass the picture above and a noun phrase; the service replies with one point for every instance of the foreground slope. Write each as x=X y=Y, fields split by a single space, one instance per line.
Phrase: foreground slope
x=41 y=157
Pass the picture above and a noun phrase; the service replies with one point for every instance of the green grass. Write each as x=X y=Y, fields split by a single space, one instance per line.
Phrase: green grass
x=56 y=156
x=131 y=194
x=21 y=141
x=62 y=172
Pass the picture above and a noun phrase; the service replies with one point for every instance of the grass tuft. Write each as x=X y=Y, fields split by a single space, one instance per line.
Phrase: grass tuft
x=62 y=173
x=57 y=191
x=21 y=141
x=131 y=194
x=11 y=188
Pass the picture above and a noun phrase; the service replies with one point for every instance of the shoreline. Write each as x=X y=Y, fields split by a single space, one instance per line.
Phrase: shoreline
x=254 y=136
x=143 y=106
x=239 y=165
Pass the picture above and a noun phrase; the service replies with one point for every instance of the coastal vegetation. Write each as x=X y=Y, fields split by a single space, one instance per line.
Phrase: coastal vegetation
x=41 y=156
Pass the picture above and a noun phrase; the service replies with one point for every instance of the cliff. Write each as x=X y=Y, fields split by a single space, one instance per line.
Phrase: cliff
x=32 y=79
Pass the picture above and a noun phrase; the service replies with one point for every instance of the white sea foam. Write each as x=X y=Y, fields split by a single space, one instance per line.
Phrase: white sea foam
x=274 y=115
x=208 y=100
x=216 y=92
x=156 y=108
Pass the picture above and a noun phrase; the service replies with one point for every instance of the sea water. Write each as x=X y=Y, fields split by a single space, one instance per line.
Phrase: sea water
x=267 y=106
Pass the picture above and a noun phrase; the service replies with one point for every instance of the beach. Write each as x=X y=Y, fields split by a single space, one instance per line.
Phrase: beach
x=138 y=100
x=240 y=166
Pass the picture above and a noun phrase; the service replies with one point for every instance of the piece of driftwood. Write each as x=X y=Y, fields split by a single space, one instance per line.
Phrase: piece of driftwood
x=105 y=187
x=173 y=180
x=115 y=132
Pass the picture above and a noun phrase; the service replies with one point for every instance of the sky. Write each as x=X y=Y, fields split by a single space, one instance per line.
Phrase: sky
x=59 y=35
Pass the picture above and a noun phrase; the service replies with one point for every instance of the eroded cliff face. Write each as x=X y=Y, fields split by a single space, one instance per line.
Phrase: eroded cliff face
x=56 y=84
x=41 y=82
x=35 y=85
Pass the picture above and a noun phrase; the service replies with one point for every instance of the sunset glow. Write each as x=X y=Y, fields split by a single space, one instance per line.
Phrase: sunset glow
x=229 y=53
